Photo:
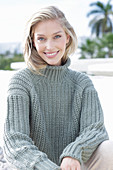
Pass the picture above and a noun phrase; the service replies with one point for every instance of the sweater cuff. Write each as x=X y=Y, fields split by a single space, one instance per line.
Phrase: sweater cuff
x=46 y=165
x=67 y=154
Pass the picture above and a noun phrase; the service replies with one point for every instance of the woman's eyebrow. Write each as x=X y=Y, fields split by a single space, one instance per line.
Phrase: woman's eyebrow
x=38 y=34
x=57 y=32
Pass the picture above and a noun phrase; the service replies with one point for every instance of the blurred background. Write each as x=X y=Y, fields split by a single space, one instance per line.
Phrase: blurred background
x=93 y=23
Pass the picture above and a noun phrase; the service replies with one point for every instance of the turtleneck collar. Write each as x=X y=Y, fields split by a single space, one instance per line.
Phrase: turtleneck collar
x=56 y=73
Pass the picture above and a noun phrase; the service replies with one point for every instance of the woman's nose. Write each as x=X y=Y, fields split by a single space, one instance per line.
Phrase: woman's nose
x=49 y=44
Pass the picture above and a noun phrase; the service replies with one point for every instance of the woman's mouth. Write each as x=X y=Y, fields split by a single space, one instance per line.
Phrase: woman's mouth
x=51 y=54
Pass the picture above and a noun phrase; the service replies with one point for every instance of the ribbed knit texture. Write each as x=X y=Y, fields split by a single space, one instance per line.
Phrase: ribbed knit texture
x=51 y=116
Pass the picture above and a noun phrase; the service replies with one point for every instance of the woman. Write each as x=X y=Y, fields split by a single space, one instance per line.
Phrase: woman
x=54 y=118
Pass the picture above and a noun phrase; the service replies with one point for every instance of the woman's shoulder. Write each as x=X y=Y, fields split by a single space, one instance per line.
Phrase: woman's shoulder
x=80 y=79
x=22 y=74
x=22 y=78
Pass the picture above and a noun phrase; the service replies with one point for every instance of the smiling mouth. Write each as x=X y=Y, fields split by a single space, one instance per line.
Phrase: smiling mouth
x=51 y=54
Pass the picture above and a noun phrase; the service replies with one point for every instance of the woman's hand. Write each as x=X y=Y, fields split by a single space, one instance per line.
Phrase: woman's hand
x=69 y=163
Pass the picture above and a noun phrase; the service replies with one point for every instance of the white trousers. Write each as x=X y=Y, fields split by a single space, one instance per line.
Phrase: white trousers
x=102 y=158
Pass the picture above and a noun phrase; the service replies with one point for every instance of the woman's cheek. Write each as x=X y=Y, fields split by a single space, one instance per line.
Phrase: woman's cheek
x=62 y=43
x=39 y=48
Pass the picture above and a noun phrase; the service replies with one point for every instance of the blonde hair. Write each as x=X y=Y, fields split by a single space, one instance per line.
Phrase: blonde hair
x=32 y=58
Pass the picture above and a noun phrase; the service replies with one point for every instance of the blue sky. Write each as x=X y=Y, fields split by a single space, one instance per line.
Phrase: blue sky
x=15 y=13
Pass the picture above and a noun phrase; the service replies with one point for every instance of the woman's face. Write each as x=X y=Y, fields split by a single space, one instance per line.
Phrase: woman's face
x=50 y=41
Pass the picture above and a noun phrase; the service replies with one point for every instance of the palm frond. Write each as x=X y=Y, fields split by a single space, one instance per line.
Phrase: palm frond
x=94 y=12
x=98 y=4
x=97 y=27
x=96 y=19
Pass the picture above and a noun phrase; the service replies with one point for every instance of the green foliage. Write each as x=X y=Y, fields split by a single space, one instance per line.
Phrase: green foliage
x=98 y=47
x=5 y=62
x=88 y=48
x=106 y=44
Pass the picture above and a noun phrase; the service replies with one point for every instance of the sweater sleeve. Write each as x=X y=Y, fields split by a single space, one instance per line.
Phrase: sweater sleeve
x=92 y=129
x=19 y=149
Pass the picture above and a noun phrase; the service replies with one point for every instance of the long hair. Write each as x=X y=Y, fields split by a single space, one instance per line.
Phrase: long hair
x=32 y=58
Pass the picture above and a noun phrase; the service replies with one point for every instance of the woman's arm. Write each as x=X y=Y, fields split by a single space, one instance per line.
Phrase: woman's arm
x=19 y=149
x=92 y=129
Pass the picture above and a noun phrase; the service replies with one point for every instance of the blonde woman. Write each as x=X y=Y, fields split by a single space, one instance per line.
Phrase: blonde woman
x=54 y=118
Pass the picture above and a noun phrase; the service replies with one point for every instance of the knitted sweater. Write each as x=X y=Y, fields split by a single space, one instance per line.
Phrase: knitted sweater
x=52 y=116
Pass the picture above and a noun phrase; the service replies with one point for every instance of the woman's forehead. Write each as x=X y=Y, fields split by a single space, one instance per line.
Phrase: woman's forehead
x=50 y=26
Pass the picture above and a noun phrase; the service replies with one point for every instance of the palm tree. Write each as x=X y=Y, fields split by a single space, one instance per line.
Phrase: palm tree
x=101 y=23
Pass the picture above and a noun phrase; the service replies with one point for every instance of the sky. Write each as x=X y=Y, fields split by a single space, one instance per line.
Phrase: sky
x=15 y=13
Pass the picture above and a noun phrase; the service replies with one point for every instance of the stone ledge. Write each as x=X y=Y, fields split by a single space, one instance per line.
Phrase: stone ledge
x=93 y=66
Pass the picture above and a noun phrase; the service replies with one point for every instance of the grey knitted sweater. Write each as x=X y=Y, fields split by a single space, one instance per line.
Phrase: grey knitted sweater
x=52 y=116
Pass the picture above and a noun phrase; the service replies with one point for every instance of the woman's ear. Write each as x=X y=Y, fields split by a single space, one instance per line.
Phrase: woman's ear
x=68 y=38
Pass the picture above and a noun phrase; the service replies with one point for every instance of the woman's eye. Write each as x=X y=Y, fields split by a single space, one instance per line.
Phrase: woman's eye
x=57 y=36
x=41 y=39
